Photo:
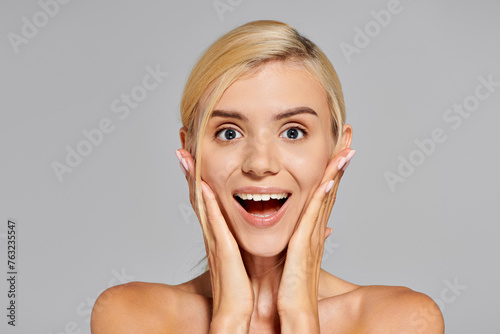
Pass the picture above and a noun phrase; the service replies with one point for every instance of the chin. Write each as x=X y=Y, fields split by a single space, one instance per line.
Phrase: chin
x=264 y=245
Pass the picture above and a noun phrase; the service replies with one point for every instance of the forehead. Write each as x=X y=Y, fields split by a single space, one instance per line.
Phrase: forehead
x=275 y=86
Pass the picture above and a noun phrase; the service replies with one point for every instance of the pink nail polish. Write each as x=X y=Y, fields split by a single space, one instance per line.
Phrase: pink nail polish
x=178 y=154
x=184 y=164
x=346 y=165
x=183 y=169
x=350 y=155
x=329 y=186
x=342 y=163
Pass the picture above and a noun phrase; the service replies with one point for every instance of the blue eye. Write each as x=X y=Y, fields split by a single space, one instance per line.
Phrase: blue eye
x=228 y=134
x=293 y=133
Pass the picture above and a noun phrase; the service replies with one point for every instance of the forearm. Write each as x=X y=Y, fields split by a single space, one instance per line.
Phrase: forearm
x=300 y=323
x=230 y=324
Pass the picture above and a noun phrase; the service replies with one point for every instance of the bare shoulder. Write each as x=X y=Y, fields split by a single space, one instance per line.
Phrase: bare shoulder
x=394 y=309
x=349 y=308
x=139 y=307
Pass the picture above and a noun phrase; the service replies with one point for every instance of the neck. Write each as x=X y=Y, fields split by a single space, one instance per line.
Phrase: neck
x=265 y=276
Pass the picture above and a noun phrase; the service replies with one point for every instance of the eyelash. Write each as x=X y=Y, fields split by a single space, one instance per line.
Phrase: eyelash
x=304 y=131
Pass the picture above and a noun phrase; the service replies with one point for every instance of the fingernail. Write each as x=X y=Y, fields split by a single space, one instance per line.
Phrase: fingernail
x=329 y=186
x=342 y=163
x=183 y=169
x=346 y=165
x=350 y=155
x=348 y=159
x=184 y=164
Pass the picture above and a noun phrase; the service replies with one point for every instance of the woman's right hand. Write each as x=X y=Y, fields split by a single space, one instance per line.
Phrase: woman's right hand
x=232 y=292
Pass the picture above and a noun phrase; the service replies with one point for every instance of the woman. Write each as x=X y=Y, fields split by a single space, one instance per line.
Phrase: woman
x=264 y=145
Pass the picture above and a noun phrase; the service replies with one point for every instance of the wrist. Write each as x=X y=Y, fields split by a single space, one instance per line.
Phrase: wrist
x=230 y=324
x=300 y=322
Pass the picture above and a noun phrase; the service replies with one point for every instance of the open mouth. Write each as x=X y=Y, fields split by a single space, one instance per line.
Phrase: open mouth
x=261 y=205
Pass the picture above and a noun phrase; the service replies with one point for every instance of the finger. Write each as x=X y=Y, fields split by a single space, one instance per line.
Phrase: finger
x=326 y=208
x=215 y=218
x=182 y=163
x=342 y=164
x=345 y=161
x=186 y=162
x=188 y=167
x=338 y=164
x=311 y=215
x=328 y=231
x=335 y=170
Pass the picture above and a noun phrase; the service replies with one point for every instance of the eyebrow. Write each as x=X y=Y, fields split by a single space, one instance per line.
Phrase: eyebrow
x=277 y=117
x=293 y=112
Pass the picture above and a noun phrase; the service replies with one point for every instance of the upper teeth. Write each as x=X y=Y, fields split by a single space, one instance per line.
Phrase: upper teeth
x=261 y=197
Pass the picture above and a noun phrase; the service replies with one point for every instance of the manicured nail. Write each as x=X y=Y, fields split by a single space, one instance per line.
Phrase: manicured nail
x=350 y=155
x=178 y=155
x=348 y=159
x=183 y=169
x=342 y=163
x=184 y=164
x=346 y=165
x=329 y=186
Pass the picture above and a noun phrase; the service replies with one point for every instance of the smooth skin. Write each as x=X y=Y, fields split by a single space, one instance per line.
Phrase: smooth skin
x=267 y=280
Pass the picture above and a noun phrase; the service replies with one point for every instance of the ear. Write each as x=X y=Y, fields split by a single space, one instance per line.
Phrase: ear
x=346 y=136
x=183 y=134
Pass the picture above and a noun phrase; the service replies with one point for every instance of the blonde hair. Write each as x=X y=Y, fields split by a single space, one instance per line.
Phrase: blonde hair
x=241 y=51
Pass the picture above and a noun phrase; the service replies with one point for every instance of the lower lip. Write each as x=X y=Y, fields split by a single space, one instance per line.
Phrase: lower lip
x=262 y=222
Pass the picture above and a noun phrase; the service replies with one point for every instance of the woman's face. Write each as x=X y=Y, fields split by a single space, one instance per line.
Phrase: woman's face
x=270 y=135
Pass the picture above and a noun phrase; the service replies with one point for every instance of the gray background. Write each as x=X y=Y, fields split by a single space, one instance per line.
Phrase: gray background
x=123 y=214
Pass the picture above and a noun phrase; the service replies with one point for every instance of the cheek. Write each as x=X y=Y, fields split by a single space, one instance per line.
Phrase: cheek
x=308 y=164
x=216 y=168
x=216 y=171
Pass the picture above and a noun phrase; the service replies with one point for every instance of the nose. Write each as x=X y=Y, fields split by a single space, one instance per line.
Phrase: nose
x=261 y=158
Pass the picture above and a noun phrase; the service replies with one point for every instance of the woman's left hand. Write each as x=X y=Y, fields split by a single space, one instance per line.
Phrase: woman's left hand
x=298 y=290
